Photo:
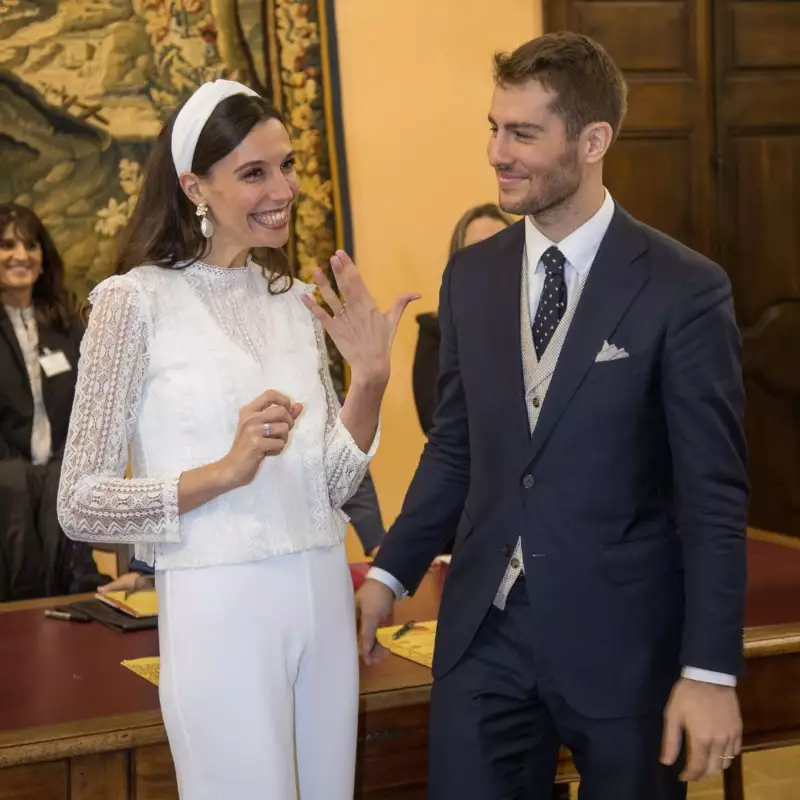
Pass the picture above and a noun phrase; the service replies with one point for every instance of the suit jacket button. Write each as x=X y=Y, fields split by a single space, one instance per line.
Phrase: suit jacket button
x=505 y=550
x=528 y=481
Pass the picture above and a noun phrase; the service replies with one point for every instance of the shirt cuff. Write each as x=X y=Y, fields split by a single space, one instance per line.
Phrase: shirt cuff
x=341 y=432
x=706 y=676
x=382 y=576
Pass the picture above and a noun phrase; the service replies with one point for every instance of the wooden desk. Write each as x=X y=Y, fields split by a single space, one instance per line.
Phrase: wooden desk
x=769 y=694
x=75 y=725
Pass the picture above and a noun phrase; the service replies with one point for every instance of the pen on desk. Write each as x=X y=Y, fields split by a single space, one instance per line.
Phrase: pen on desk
x=66 y=616
x=403 y=630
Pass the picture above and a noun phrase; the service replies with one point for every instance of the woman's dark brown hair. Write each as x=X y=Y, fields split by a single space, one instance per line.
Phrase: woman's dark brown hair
x=164 y=229
x=53 y=303
x=489 y=210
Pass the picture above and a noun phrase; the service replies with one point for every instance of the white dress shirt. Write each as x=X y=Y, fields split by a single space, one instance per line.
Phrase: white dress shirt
x=579 y=249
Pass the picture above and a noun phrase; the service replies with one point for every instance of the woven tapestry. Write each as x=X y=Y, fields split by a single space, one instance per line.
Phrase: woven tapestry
x=85 y=86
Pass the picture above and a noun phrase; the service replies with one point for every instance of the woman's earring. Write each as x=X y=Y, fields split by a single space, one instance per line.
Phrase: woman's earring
x=206 y=225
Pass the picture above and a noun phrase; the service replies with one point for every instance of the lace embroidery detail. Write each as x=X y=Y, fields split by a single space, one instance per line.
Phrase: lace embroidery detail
x=345 y=462
x=95 y=501
x=168 y=361
x=227 y=293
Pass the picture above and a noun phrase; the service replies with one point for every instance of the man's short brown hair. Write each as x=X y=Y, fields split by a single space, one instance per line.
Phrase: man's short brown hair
x=589 y=86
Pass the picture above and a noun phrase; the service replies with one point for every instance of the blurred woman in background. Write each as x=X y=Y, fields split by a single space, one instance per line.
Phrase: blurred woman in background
x=475 y=225
x=40 y=333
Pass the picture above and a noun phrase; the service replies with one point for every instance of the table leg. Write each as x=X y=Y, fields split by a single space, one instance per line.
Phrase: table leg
x=561 y=792
x=733 y=781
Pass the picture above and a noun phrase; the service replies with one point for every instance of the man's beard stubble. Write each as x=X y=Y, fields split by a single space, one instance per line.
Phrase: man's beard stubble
x=555 y=188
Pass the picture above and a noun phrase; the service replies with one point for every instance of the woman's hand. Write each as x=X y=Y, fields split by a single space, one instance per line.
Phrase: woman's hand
x=129 y=582
x=359 y=329
x=263 y=430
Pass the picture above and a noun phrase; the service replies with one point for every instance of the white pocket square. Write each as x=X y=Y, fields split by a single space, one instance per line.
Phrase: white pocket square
x=610 y=352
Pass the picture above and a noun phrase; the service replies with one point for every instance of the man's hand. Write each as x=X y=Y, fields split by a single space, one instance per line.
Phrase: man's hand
x=374 y=602
x=709 y=716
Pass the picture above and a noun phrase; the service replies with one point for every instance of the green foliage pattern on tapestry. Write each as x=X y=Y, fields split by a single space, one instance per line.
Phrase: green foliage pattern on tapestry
x=85 y=86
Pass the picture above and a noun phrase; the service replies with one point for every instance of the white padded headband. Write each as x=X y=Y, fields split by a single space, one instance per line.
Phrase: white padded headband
x=193 y=116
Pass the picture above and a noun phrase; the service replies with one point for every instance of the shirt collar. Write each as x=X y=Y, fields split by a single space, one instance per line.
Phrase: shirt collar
x=19 y=313
x=580 y=247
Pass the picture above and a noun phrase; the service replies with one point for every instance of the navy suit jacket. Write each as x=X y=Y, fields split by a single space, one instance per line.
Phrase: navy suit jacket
x=631 y=495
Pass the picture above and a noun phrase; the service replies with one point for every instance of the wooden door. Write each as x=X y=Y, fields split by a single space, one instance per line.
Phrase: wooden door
x=757 y=68
x=660 y=169
x=710 y=154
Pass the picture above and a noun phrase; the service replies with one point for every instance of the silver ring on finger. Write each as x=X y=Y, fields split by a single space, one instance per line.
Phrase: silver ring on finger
x=727 y=758
x=266 y=430
x=344 y=308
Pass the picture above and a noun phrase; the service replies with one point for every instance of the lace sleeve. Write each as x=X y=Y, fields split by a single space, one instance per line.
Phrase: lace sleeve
x=345 y=462
x=95 y=502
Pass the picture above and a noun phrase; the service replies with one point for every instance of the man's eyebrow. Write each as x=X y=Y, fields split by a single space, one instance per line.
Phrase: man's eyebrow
x=518 y=126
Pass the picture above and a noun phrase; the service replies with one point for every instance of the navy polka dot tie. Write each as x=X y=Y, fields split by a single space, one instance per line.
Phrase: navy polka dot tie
x=553 y=302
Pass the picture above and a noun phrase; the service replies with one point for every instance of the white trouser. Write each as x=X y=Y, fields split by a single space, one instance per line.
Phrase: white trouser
x=259 y=677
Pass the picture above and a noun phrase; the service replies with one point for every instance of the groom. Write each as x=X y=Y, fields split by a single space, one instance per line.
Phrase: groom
x=588 y=453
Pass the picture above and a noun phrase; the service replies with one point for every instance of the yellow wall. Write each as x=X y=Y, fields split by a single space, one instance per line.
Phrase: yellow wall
x=416 y=84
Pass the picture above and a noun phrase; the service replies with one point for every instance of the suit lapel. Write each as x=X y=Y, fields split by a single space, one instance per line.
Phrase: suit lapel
x=616 y=278
x=52 y=340
x=7 y=330
x=505 y=322
x=531 y=365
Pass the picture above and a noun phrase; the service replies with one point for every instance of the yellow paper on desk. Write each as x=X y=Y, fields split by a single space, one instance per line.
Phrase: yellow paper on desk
x=415 y=645
x=147 y=668
x=134 y=604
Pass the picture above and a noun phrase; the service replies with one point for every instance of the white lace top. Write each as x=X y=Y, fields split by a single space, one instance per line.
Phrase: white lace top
x=167 y=362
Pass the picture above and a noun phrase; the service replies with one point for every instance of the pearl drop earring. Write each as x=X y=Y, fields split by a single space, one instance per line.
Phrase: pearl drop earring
x=206 y=225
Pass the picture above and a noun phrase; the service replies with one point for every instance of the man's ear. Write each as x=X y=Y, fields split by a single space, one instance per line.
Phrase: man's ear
x=597 y=139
